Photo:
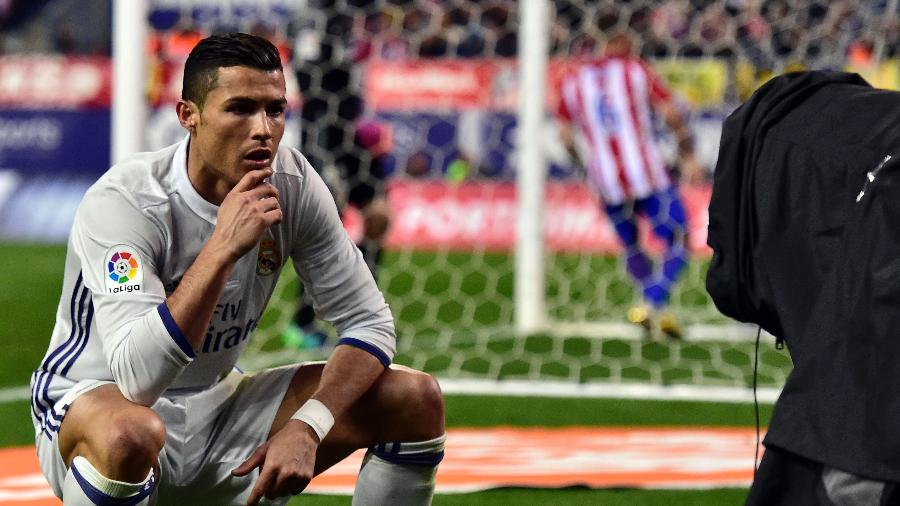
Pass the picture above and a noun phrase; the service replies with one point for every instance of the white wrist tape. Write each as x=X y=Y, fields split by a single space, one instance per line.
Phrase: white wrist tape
x=316 y=415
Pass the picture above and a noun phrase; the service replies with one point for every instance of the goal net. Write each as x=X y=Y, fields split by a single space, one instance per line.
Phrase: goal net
x=418 y=101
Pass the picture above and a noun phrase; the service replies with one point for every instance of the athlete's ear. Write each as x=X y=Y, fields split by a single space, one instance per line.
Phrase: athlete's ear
x=188 y=114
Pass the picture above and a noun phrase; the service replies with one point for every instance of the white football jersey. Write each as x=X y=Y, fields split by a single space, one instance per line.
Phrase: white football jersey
x=611 y=102
x=136 y=232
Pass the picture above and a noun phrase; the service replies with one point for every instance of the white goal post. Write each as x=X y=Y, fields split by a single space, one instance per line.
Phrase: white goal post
x=530 y=312
x=129 y=106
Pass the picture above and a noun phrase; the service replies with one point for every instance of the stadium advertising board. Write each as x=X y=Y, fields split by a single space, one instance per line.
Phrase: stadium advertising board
x=493 y=83
x=431 y=215
x=54 y=114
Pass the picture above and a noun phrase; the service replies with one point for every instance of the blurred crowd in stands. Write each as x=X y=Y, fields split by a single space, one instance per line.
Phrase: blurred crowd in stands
x=768 y=33
x=73 y=27
x=325 y=42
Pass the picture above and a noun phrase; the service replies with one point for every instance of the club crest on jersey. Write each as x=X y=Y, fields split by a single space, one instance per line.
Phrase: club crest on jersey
x=269 y=258
x=124 y=270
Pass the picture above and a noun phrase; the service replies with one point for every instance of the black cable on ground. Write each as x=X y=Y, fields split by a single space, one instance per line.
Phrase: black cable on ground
x=756 y=401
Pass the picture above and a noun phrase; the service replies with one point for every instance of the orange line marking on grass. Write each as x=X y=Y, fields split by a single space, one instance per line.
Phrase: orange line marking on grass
x=479 y=459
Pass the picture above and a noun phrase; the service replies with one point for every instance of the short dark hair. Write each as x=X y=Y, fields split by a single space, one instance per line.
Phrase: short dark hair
x=226 y=50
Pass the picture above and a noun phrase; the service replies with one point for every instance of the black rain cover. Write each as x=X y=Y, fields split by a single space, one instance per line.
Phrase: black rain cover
x=797 y=253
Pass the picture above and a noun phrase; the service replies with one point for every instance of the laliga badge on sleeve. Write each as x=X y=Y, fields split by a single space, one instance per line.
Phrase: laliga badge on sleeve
x=124 y=270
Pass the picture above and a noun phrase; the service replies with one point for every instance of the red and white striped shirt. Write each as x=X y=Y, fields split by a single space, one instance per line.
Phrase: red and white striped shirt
x=610 y=102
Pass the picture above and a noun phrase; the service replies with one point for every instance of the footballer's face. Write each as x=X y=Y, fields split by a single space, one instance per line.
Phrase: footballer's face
x=238 y=129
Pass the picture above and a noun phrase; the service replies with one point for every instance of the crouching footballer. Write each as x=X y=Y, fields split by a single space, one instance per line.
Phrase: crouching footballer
x=171 y=261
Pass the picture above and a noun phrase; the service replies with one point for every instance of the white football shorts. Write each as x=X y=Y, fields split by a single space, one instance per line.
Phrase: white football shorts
x=208 y=433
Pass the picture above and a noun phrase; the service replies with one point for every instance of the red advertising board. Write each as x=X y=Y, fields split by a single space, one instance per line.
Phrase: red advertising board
x=431 y=84
x=431 y=215
x=55 y=82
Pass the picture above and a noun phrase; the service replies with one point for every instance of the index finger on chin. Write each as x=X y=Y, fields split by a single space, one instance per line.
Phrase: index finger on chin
x=252 y=179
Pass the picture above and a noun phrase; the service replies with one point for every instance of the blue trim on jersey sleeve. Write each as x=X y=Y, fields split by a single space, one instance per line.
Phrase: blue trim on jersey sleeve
x=174 y=330
x=101 y=499
x=380 y=355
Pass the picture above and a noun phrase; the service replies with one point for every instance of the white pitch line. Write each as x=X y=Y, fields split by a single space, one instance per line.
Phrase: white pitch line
x=526 y=388
x=534 y=388
x=13 y=394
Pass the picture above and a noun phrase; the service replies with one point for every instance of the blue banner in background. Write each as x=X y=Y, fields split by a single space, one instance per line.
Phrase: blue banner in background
x=40 y=207
x=455 y=145
x=67 y=143
x=48 y=159
x=479 y=144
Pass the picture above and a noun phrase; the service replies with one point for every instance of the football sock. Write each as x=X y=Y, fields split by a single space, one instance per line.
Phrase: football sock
x=656 y=295
x=639 y=265
x=399 y=474
x=85 y=486
x=669 y=224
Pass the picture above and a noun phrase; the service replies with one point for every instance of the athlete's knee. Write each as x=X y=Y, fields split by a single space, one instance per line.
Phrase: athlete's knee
x=121 y=468
x=422 y=394
x=135 y=436
x=429 y=393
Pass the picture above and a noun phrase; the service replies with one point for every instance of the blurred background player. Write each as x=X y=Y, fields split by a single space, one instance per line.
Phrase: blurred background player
x=610 y=101
x=346 y=149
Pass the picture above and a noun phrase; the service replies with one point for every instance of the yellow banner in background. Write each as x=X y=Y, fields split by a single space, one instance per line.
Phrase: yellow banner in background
x=701 y=82
x=886 y=75
x=748 y=78
x=705 y=82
